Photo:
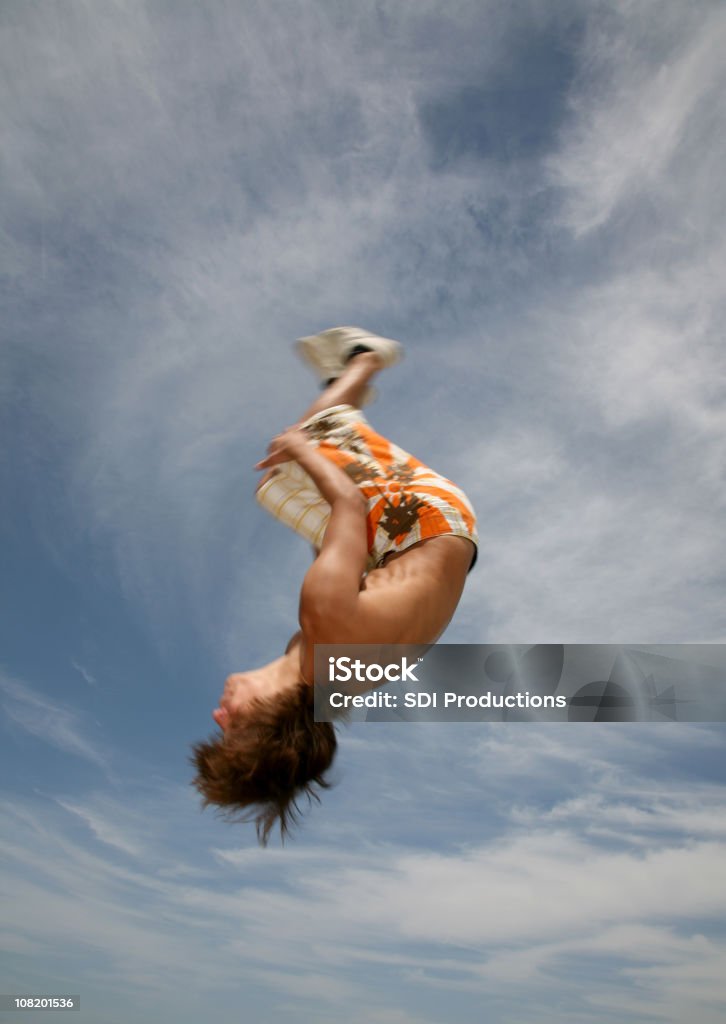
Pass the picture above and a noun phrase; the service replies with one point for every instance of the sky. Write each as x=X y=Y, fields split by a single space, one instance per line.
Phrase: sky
x=531 y=198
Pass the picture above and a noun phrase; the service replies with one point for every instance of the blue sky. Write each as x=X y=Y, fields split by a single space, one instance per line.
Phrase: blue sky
x=531 y=197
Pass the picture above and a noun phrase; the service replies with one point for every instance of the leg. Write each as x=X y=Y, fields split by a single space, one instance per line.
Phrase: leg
x=349 y=387
x=346 y=390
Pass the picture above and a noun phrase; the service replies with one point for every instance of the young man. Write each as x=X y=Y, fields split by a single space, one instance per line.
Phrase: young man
x=394 y=542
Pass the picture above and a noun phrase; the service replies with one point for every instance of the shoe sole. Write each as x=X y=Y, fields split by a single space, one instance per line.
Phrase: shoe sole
x=389 y=351
x=322 y=353
x=327 y=353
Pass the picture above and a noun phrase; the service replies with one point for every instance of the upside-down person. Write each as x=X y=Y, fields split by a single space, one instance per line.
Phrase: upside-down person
x=394 y=542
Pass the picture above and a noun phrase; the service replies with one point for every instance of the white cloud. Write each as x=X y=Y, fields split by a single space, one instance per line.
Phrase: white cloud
x=191 y=192
x=629 y=129
x=90 y=679
x=103 y=829
x=625 y=874
x=49 y=721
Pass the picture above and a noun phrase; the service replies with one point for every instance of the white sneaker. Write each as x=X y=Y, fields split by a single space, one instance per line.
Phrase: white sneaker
x=322 y=352
x=389 y=351
x=329 y=351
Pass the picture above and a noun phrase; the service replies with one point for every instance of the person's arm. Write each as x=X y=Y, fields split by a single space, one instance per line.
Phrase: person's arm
x=330 y=590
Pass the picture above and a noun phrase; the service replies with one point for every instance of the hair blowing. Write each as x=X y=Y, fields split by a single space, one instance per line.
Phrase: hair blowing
x=266 y=761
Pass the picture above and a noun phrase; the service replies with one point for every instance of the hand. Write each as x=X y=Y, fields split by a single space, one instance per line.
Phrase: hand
x=284 y=447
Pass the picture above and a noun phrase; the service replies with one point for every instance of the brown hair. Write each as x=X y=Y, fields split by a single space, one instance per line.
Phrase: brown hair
x=270 y=756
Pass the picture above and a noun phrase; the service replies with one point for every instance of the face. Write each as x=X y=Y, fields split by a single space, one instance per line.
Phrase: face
x=239 y=689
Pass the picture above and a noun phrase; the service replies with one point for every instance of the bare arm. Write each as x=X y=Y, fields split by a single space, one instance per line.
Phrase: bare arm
x=329 y=480
x=330 y=590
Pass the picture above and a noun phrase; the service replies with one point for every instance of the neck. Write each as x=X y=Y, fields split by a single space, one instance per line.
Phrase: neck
x=282 y=673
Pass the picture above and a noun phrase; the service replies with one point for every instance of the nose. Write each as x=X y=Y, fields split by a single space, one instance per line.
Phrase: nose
x=221 y=717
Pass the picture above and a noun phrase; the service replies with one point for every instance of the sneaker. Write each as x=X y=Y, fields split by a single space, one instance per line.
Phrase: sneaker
x=323 y=353
x=351 y=338
x=329 y=351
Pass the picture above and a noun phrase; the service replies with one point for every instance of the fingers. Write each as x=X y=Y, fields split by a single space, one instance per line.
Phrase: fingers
x=280 y=447
x=273 y=458
x=273 y=449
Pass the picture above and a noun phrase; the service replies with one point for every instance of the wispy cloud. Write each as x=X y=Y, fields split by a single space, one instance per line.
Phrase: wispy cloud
x=188 y=190
x=103 y=829
x=90 y=679
x=548 y=896
x=645 y=96
x=324 y=192
x=47 y=720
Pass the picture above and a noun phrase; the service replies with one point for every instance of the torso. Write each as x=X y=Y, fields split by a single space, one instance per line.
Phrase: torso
x=409 y=599
x=409 y=503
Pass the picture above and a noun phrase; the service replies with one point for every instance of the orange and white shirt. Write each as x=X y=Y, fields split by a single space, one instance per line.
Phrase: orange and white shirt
x=407 y=501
